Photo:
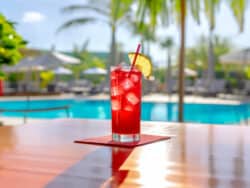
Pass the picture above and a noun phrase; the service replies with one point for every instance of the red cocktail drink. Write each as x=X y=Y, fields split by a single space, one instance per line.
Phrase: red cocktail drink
x=126 y=104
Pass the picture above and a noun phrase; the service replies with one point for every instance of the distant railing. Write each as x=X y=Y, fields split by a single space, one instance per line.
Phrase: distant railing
x=25 y=111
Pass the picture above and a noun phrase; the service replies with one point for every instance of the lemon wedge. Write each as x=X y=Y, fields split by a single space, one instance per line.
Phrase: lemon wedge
x=142 y=63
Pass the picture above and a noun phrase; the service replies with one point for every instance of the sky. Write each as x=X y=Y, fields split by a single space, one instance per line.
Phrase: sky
x=38 y=21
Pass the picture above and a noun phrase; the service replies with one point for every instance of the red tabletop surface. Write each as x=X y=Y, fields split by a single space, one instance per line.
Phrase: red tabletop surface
x=44 y=155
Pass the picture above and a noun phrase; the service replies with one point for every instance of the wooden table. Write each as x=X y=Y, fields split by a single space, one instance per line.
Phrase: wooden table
x=196 y=156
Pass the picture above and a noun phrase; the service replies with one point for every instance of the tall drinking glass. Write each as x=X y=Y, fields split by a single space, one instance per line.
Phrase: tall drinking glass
x=126 y=104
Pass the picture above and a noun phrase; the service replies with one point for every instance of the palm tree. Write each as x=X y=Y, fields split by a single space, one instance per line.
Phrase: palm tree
x=111 y=12
x=168 y=44
x=163 y=10
x=197 y=56
x=146 y=33
x=238 y=8
x=210 y=10
x=182 y=59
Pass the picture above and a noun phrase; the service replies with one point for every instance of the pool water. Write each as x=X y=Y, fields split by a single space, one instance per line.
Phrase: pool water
x=201 y=113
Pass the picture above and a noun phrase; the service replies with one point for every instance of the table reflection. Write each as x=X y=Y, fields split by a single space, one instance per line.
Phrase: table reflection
x=8 y=139
x=195 y=156
x=118 y=175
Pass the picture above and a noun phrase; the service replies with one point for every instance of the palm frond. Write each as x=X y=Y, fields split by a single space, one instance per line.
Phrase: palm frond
x=120 y=8
x=74 y=8
x=126 y=19
x=115 y=8
x=176 y=10
x=75 y=22
x=210 y=10
x=167 y=43
x=165 y=13
x=141 y=12
x=238 y=8
x=195 y=10
x=85 y=45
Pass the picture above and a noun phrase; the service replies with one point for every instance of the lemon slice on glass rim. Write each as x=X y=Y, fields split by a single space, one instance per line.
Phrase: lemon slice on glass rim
x=143 y=63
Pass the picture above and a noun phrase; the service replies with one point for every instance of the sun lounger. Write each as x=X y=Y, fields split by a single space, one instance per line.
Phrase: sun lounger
x=213 y=88
x=150 y=86
x=201 y=87
x=198 y=85
x=103 y=87
x=172 y=86
x=51 y=88
x=188 y=84
x=62 y=87
x=80 y=87
x=9 y=87
x=246 y=87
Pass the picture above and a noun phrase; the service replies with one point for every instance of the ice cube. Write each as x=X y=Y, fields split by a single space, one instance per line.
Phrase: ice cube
x=132 y=98
x=114 y=73
x=127 y=84
x=116 y=105
x=113 y=77
x=128 y=108
x=134 y=78
x=116 y=90
x=113 y=81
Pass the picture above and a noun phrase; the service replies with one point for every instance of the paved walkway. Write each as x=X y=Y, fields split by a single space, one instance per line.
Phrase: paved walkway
x=50 y=97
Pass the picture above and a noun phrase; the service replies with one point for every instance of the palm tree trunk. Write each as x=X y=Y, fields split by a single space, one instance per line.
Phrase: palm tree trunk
x=112 y=53
x=168 y=73
x=210 y=71
x=181 y=61
x=142 y=46
x=148 y=48
x=113 y=47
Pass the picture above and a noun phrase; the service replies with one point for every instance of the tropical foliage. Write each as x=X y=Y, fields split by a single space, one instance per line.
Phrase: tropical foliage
x=197 y=56
x=146 y=34
x=10 y=42
x=87 y=60
x=46 y=78
x=111 y=12
x=160 y=74
x=153 y=12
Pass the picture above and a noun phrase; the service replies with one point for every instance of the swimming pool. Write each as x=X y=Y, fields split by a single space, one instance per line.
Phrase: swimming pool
x=96 y=109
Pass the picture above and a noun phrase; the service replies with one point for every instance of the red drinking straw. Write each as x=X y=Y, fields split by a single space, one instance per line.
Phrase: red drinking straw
x=134 y=60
